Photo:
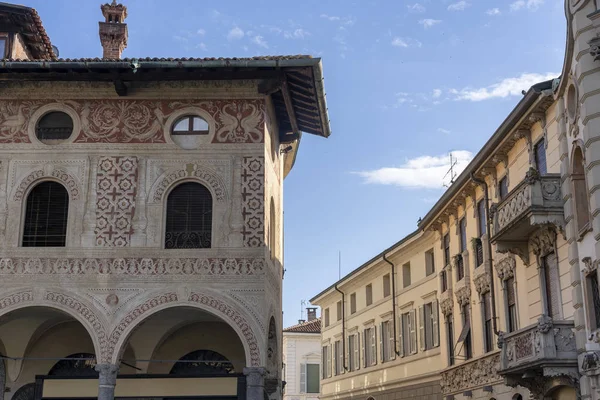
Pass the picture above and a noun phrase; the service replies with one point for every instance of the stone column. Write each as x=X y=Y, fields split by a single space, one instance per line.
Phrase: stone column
x=107 y=381
x=255 y=383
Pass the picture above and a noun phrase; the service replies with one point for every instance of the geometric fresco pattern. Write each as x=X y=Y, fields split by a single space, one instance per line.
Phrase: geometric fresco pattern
x=116 y=188
x=253 y=194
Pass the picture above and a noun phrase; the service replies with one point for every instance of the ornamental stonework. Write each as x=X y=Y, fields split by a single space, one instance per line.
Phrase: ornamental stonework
x=70 y=182
x=132 y=266
x=137 y=121
x=505 y=268
x=116 y=186
x=253 y=194
x=481 y=372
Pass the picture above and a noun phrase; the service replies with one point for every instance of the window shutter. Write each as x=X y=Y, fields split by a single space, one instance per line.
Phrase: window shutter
x=324 y=362
x=381 y=341
x=329 y=361
x=400 y=338
x=413 y=331
x=374 y=345
x=302 y=378
x=364 y=352
x=422 y=327
x=391 y=341
x=357 y=352
x=435 y=326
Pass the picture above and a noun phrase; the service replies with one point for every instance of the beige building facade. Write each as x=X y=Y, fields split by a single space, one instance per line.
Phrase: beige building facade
x=515 y=245
x=141 y=216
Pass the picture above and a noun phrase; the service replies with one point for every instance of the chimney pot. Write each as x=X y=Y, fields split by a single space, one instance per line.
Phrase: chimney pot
x=113 y=31
x=311 y=313
x=301 y=321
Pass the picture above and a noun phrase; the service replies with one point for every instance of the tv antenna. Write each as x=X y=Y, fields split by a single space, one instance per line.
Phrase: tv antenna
x=451 y=172
x=302 y=307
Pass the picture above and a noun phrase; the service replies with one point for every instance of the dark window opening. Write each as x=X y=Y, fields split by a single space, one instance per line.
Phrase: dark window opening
x=503 y=188
x=3 y=47
x=444 y=280
x=81 y=364
x=460 y=268
x=540 y=157
x=54 y=127
x=46 y=216
x=463 y=234
x=190 y=125
x=189 y=217
x=511 y=303
x=446 y=249
x=487 y=318
x=202 y=362
x=595 y=289
x=468 y=347
x=450 y=343
x=481 y=218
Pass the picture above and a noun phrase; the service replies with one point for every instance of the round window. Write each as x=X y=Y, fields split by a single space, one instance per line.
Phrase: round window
x=54 y=127
x=572 y=101
x=188 y=131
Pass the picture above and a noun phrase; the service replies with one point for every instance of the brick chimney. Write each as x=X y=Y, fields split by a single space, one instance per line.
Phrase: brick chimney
x=113 y=31
x=311 y=313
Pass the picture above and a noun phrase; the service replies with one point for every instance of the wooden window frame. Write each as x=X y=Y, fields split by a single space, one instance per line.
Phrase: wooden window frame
x=190 y=131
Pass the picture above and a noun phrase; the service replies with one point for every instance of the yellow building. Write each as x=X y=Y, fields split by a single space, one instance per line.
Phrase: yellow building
x=514 y=246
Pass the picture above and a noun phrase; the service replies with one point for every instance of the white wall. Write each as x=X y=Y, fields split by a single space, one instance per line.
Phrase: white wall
x=299 y=348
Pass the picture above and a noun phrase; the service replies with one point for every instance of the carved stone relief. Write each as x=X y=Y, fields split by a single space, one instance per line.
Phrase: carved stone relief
x=505 y=267
x=253 y=193
x=470 y=375
x=542 y=242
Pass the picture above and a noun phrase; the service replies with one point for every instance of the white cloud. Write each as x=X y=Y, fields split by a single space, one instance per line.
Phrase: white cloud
x=181 y=39
x=416 y=8
x=201 y=46
x=296 y=34
x=201 y=32
x=330 y=17
x=530 y=4
x=425 y=172
x=344 y=20
x=506 y=87
x=442 y=130
x=459 y=6
x=260 y=41
x=235 y=33
x=493 y=11
x=428 y=22
x=436 y=93
x=406 y=42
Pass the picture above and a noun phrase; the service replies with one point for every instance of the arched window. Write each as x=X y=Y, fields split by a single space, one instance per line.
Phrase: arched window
x=187 y=132
x=202 y=362
x=189 y=217
x=46 y=216
x=80 y=364
x=54 y=127
x=580 y=193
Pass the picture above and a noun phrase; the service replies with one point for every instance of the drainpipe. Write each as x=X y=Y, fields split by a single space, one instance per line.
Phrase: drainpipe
x=343 y=326
x=484 y=184
x=396 y=352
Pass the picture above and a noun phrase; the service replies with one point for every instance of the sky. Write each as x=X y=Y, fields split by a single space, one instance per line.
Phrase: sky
x=407 y=83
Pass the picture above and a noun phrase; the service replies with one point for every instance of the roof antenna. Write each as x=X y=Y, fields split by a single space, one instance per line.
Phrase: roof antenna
x=302 y=307
x=451 y=171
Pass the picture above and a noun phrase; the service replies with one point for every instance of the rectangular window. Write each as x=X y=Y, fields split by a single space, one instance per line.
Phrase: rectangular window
x=481 y=218
x=405 y=333
x=339 y=310
x=326 y=317
x=3 y=47
x=353 y=352
x=478 y=253
x=387 y=341
x=370 y=346
x=444 y=281
x=503 y=188
x=326 y=361
x=511 y=304
x=429 y=334
x=460 y=267
x=406 y=275
x=466 y=333
x=594 y=289
x=487 y=322
x=338 y=357
x=312 y=378
x=352 y=303
x=450 y=339
x=386 y=285
x=446 y=249
x=463 y=235
x=540 y=157
x=369 y=294
x=429 y=263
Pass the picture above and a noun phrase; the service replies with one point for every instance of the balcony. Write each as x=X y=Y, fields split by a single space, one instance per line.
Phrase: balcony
x=537 y=200
x=470 y=375
x=538 y=354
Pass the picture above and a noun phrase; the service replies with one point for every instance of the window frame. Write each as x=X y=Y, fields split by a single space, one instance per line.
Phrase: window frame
x=538 y=147
x=190 y=131
x=387 y=285
x=369 y=294
x=25 y=209
x=503 y=188
x=353 y=303
x=406 y=276
x=429 y=263
x=340 y=310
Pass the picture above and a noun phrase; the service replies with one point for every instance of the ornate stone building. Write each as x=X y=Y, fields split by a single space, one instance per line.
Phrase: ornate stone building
x=516 y=248
x=141 y=216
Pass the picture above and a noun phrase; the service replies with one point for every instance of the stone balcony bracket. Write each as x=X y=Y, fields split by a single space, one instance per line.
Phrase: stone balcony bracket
x=462 y=290
x=446 y=302
x=536 y=200
x=534 y=356
x=482 y=279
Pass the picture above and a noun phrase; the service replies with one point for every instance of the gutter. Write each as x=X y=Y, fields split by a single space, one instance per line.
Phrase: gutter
x=396 y=352
x=343 y=328
x=532 y=96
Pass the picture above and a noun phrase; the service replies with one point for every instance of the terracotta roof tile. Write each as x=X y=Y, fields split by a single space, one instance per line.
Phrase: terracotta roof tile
x=313 y=326
x=169 y=59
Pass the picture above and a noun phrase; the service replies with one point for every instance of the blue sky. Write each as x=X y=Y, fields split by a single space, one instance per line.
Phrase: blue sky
x=407 y=82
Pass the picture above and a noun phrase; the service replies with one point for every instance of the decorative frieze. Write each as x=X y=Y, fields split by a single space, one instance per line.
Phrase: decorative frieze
x=253 y=208
x=505 y=267
x=471 y=375
x=132 y=266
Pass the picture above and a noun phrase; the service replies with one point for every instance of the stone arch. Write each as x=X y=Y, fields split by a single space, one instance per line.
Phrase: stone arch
x=194 y=173
x=57 y=174
x=73 y=307
x=210 y=303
